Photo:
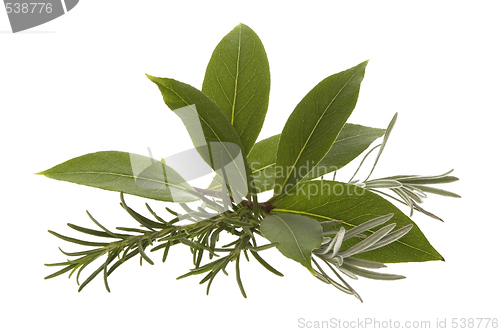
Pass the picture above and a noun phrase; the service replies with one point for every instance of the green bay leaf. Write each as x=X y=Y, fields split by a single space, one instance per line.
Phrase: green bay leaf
x=262 y=161
x=351 y=142
x=314 y=125
x=238 y=80
x=125 y=172
x=330 y=200
x=295 y=236
x=210 y=130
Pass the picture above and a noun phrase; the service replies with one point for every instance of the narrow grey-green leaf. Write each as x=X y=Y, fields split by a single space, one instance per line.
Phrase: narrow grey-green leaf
x=373 y=184
x=238 y=80
x=211 y=131
x=314 y=125
x=327 y=200
x=371 y=274
x=437 y=191
x=124 y=172
x=295 y=236
x=384 y=142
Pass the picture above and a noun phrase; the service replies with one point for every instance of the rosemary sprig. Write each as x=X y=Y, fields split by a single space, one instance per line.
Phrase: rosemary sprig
x=411 y=189
x=201 y=235
x=329 y=252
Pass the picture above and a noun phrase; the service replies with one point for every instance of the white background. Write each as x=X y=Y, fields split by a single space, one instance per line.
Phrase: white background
x=77 y=85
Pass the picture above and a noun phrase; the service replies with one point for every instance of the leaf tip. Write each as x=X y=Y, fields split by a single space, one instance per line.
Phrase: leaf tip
x=152 y=78
x=242 y=26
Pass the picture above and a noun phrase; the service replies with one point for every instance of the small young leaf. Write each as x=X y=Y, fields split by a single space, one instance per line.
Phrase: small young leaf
x=238 y=277
x=295 y=236
x=262 y=161
x=314 y=125
x=238 y=81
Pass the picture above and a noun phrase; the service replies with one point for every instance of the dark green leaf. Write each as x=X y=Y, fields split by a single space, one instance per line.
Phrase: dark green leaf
x=123 y=260
x=81 y=253
x=266 y=264
x=238 y=277
x=148 y=223
x=107 y=231
x=105 y=272
x=314 y=125
x=97 y=271
x=124 y=172
x=351 y=142
x=238 y=81
x=80 y=242
x=58 y=273
x=295 y=236
x=211 y=131
x=263 y=247
x=143 y=254
x=90 y=231
x=327 y=200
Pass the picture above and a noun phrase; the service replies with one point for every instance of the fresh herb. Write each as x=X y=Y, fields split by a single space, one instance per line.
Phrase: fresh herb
x=329 y=227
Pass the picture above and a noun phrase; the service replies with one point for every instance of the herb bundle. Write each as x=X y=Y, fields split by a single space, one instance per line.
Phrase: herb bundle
x=337 y=230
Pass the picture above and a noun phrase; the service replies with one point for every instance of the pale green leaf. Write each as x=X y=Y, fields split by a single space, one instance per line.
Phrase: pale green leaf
x=125 y=172
x=295 y=236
